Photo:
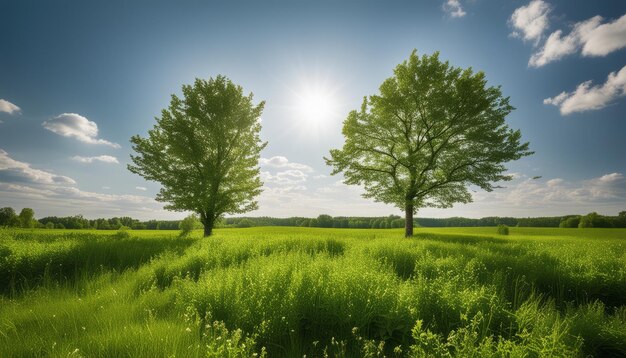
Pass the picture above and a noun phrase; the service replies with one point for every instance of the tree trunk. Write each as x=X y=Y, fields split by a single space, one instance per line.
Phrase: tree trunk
x=408 y=220
x=208 y=222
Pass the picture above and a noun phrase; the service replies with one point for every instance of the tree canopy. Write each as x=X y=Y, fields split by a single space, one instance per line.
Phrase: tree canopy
x=204 y=150
x=432 y=130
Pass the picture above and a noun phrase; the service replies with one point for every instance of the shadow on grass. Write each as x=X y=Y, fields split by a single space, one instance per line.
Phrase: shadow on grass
x=519 y=269
x=74 y=259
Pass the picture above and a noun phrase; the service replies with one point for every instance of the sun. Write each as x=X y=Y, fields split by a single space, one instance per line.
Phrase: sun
x=315 y=105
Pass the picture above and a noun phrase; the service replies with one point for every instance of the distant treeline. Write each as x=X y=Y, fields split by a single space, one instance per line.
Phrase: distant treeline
x=9 y=218
x=393 y=221
x=79 y=222
x=26 y=219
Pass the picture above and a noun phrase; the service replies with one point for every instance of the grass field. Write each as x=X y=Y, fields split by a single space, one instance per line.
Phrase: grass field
x=315 y=292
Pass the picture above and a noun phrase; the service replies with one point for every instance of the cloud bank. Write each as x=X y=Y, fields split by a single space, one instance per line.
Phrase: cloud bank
x=48 y=193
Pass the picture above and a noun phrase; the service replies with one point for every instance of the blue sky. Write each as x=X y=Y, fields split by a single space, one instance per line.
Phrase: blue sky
x=77 y=79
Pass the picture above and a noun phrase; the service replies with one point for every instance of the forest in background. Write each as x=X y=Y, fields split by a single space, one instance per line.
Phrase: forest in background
x=26 y=219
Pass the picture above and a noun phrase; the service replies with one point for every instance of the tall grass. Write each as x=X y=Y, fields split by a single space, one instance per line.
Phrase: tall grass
x=297 y=291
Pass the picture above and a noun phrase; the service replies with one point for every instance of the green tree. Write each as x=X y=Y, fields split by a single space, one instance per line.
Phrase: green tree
x=7 y=216
x=325 y=221
x=27 y=218
x=245 y=222
x=585 y=222
x=188 y=224
x=432 y=130
x=204 y=150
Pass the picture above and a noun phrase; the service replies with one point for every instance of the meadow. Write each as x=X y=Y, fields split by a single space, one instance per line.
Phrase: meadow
x=290 y=292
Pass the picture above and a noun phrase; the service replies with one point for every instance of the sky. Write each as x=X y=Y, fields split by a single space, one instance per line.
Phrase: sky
x=79 y=78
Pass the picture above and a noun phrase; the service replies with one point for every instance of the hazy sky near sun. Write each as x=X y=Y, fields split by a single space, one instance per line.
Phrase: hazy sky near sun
x=78 y=79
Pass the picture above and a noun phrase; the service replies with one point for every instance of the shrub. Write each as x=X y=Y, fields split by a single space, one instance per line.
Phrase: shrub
x=503 y=230
x=123 y=232
x=187 y=225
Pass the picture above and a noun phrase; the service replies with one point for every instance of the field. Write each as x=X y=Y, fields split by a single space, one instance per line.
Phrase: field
x=315 y=292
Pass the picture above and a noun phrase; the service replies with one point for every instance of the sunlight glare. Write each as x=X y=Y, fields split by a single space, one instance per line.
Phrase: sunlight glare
x=315 y=106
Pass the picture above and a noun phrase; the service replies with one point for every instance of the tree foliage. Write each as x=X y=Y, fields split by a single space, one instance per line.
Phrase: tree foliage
x=204 y=150
x=27 y=218
x=188 y=224
x=8 y=217
x=432 y=130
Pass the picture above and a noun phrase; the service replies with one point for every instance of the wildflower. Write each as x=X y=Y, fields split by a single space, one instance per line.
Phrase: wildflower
x=188 y=329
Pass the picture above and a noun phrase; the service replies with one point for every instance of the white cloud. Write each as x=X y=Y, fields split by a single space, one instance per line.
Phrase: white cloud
x=106 y=187
x=291 y=189
x=52 y=194
x=100 y=158
x=334 y=199
x=19 y=172
x=522 y=197
x=530 y=21
x=605 y=38
x=76 y=126
x=8 y=107
x=591 y=37
x=453 y=8
x=142 y=188
x=555 y=196
x=554 y=182
x=282 y=162
x=587 y=97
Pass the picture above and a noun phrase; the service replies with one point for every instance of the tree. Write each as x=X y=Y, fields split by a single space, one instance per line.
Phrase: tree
x=324 y=220
x=245 y=222
x=188 y=224
x=27 y=218
x=585 y=222
x=432 y=130
x=204 y=150
x=7 y=216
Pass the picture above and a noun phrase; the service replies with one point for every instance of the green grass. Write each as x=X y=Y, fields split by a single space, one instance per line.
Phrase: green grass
x=295 y=291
